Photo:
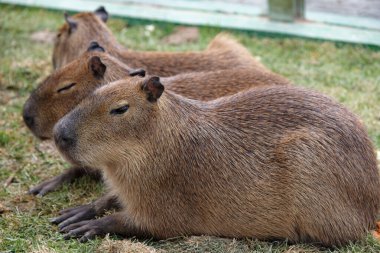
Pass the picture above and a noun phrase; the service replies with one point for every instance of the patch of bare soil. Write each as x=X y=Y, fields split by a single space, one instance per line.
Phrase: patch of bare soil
x=181 y=35
x=125 y=246
x=44 y=37
x=24 y=202
x=6 y=96
x=4 y=209
x=48 y=147
x=43 y=249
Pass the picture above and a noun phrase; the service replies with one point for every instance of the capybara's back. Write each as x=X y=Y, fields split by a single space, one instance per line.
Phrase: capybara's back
x=227 y=46
x=314 y=178
x=326 y=165
x=223 y=52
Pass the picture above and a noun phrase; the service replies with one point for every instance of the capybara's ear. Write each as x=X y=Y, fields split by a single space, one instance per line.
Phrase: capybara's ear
x=72 y=24
x=94 y=46
x=153 y=88
x=137 y=72
x=102 y=13
x=97 y=67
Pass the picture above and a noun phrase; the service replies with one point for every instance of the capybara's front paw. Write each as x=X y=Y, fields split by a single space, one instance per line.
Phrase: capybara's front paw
x=89 y=229
x=67 y=176
x=74 y=215
x=47 y=186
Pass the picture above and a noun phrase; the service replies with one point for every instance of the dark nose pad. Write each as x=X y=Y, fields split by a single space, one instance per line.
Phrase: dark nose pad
x=29 y=120
x=64 y=138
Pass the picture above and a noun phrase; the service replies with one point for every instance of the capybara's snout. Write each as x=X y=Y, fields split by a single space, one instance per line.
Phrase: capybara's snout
x=28 y=115
x=64 y=136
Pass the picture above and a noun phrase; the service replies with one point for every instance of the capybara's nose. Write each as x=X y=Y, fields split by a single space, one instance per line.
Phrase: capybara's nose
x=28 y=119
x=64 y=138
x=28 y=115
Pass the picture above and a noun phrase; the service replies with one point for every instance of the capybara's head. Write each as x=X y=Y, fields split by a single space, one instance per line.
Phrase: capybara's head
x=110 y=123
x=77 y=32
x=60 y=92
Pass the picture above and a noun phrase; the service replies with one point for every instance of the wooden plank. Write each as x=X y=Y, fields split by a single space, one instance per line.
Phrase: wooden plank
x=215 y=6
x=211 y=6
x=351 y=21
x=190 y=17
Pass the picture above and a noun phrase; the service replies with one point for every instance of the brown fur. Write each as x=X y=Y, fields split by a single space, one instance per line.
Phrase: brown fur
x=222 y=53
x=272 y=162
x=47 y=106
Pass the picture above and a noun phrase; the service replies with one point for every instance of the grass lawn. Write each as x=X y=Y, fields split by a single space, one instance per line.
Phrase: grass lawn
x=349 y=73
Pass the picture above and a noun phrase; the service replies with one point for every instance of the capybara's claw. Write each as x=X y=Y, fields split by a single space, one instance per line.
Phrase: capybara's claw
x=46 y=186
x=85 y=230
x=66 y=177
x=74 y=215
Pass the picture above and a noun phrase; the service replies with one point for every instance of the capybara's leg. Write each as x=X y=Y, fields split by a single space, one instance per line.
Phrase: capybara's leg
x=66 y=177
x=117 y=223
x=86 y=212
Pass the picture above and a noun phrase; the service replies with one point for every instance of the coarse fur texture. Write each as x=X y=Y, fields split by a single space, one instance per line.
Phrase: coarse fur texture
x=72 y=39
x=269 y=163
x=56 y=95
x=68 y=86
x=50 y=101
x=222 y=52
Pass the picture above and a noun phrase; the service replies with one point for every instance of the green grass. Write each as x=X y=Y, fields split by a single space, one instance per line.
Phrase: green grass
x=347 y=72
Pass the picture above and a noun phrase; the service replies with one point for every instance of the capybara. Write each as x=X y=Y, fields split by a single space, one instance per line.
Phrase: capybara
x=268 y=163
x=79 y=30
x=67 y=86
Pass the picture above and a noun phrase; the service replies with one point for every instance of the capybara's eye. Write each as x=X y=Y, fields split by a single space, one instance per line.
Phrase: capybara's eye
x=67 y=87
x=119 y=110
x=137 y=72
